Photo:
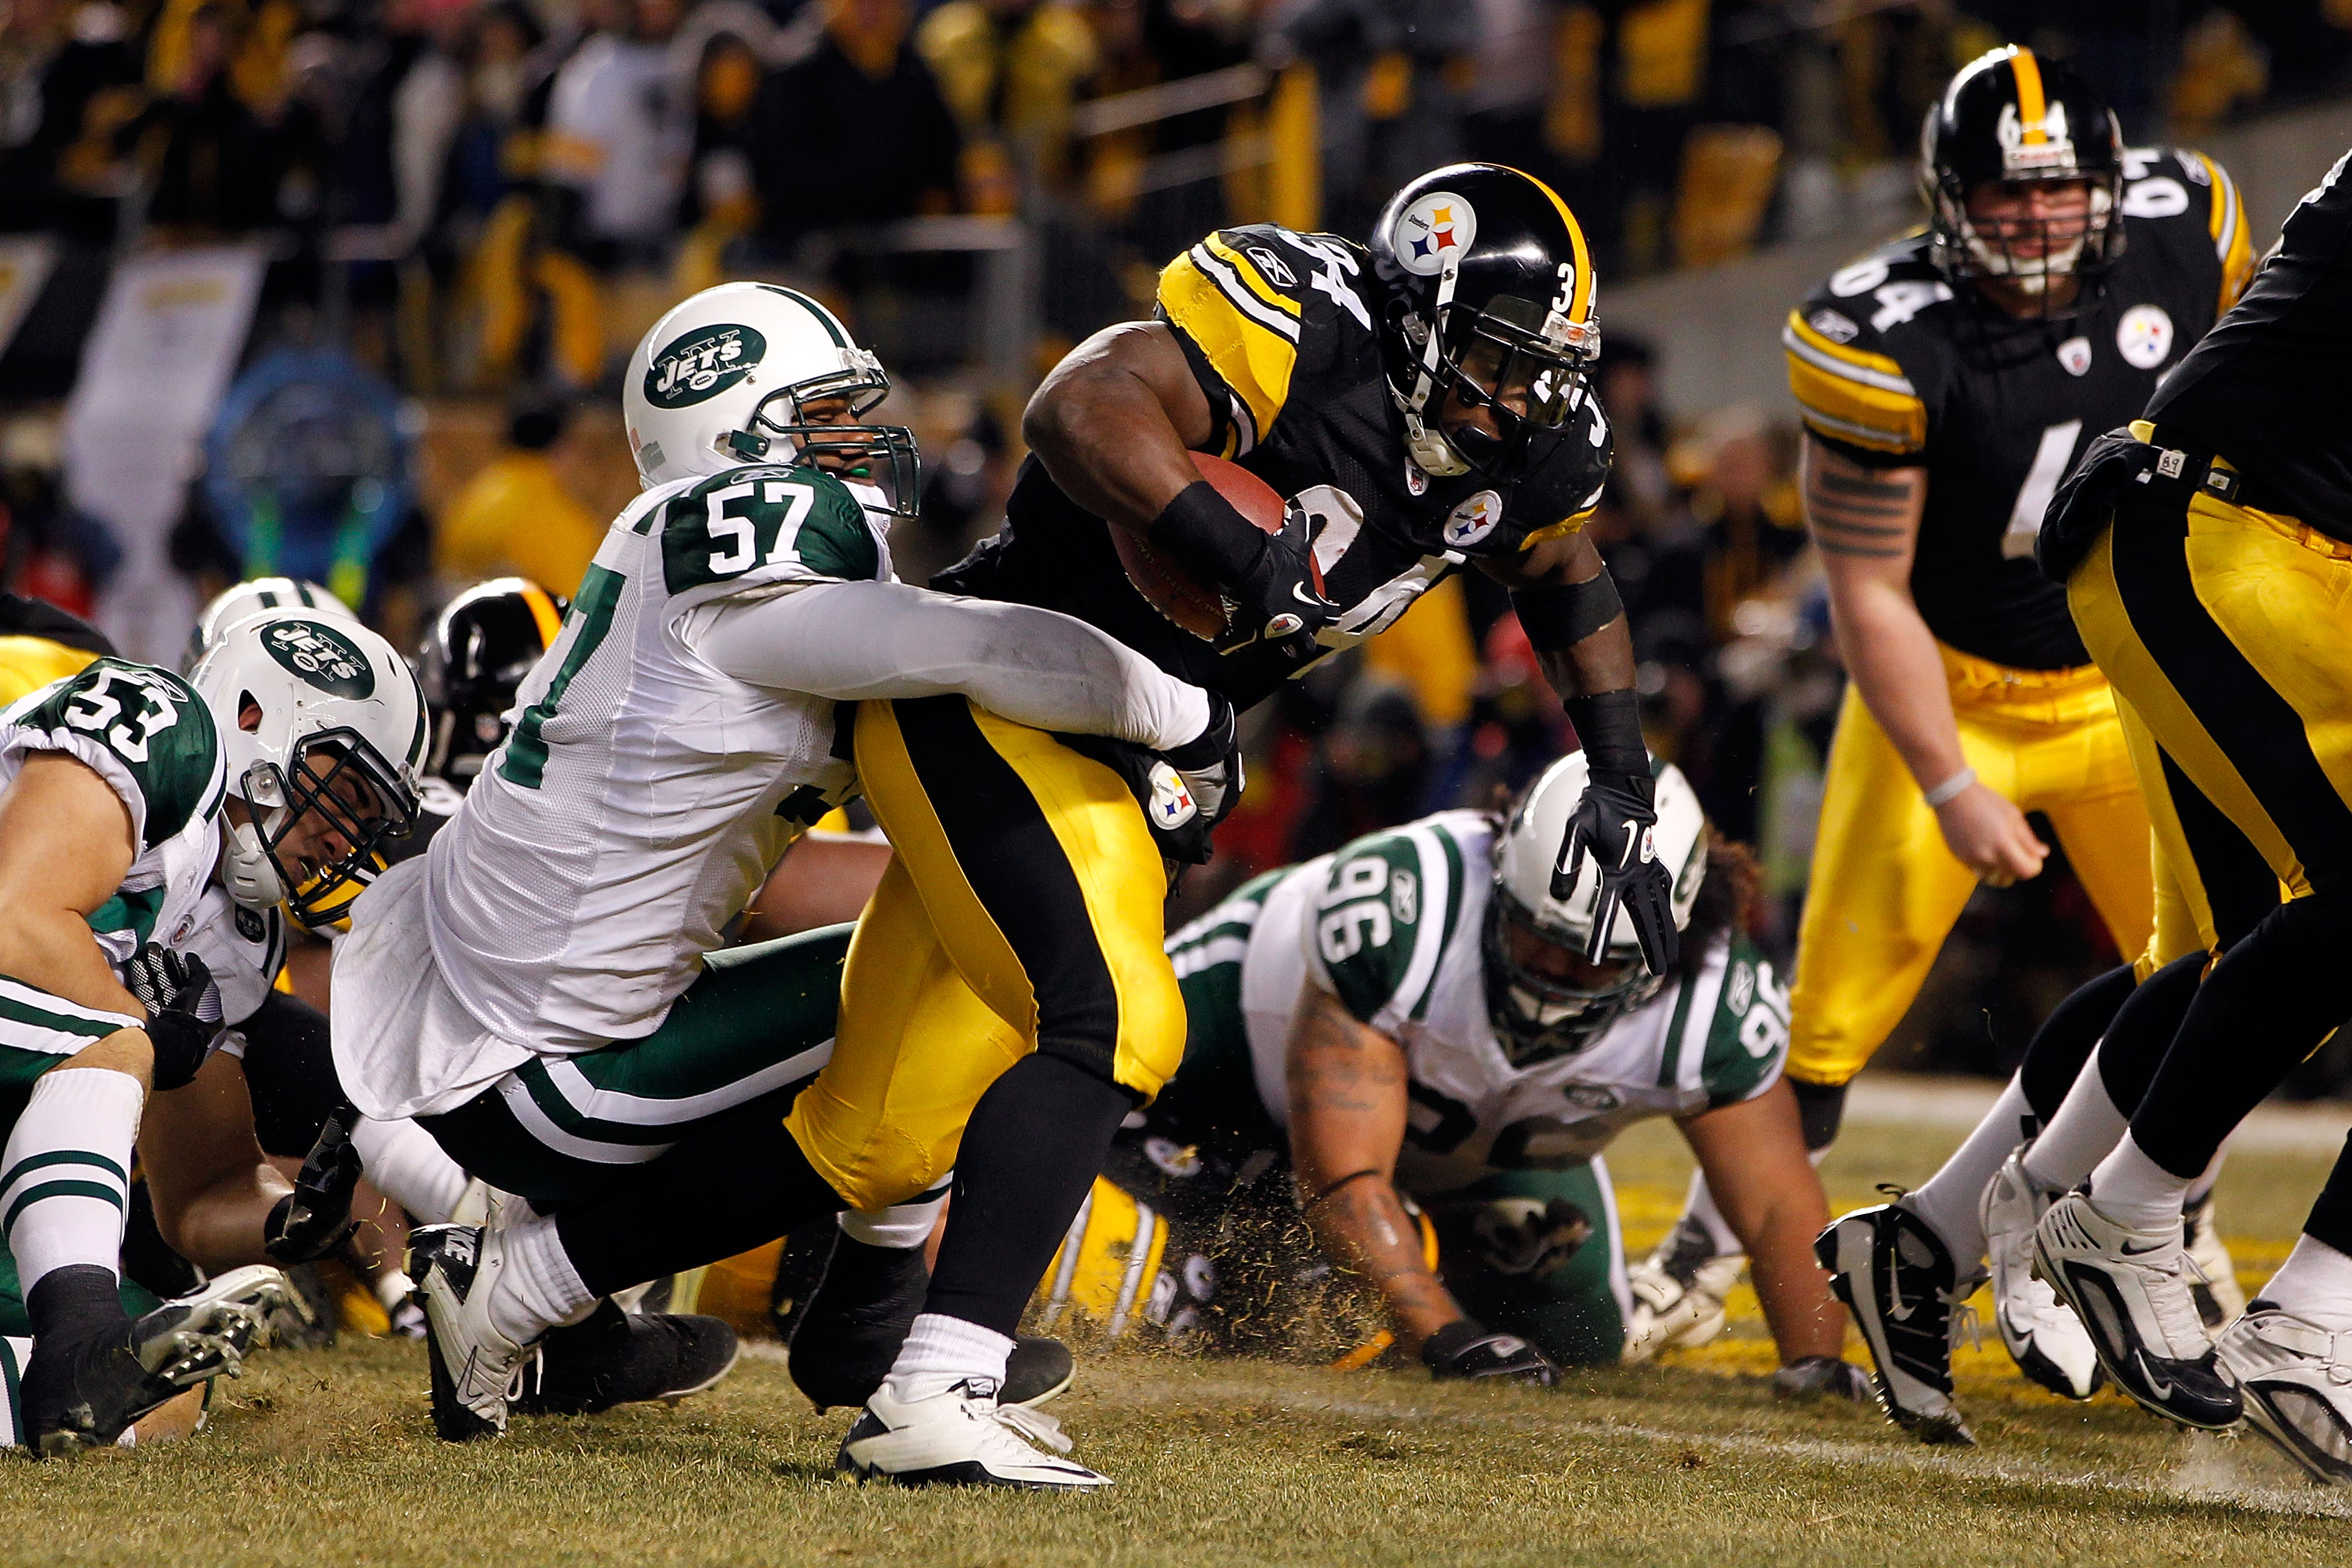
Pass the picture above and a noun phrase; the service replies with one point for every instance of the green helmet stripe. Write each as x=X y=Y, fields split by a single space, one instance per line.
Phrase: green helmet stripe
x=832 y=327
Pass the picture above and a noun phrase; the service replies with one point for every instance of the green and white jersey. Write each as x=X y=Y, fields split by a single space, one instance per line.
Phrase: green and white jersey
x=1390 y=925
x=151 y=737
x=644 y=795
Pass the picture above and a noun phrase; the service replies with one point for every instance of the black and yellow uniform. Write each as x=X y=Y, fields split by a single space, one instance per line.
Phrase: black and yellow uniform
x=1024 y=910
x=1893 y=369
x=40 y=643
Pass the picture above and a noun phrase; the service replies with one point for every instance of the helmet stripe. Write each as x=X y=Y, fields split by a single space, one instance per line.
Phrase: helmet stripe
x=824 y=316
x=542 y=614
x=1580 y=307
x=2031 y=107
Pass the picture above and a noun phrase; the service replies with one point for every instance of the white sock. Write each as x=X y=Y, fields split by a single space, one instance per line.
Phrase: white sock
x=2133 y=1190
x=1699 y=1209
x=407 y=1166
x=2085 y=1130
x=538 y=1289
x=71 y=1145
x=899 y=1228
x=942 y=1352
x=1949 y=1201
x=14 y=1354
x=2315 y=1284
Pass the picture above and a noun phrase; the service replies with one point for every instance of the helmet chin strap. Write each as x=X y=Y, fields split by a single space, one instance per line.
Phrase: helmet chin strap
x=1428 y=447
x=247 y=872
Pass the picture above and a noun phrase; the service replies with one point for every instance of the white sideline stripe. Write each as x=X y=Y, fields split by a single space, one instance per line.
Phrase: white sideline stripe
x=1959 y=1104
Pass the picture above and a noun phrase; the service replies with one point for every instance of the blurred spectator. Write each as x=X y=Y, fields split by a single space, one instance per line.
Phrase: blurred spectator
x=210 y=166
x=1392 y=109
x=618 y=134
x=514 y=518
x=1371 y=769
x=1747 y=504
x=68 y=77
x=1010 y=70
x=855 y=133
x=721 y=203
x=492 y=54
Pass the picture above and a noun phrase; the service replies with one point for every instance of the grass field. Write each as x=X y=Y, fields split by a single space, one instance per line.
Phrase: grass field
x=325 y=1457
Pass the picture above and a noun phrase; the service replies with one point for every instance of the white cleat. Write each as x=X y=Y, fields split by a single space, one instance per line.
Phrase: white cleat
x=2131 y=1290
x=2045 y=1338
x=1908 y=1299
x=477 y=1370
x=2298 y=1382
x=1679 y=1293
x=961 y=1437
x=2220 y=1298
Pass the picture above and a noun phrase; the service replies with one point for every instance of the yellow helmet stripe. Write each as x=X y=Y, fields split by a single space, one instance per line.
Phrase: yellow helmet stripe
x=1580 y=306
x=542 y=612
x=2031 y=107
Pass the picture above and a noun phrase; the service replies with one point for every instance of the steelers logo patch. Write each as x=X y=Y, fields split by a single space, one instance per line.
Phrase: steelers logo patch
x=1435 y=228
x=1473 y=519
x=2144 y=336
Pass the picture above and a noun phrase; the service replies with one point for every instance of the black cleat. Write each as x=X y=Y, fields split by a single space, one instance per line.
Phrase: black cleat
x=613 y=1357
x=1038 y=1369
x=1894 y=1273
x=83 y=1392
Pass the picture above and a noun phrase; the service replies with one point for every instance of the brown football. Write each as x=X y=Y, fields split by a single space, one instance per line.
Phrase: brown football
x=1172 y=591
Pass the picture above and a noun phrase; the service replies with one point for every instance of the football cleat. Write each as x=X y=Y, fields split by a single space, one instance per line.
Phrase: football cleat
x=2296 y=1379
x=477 y=1370
x=1679 y=1293
x=87 y=1393
x=613 y=1357
x=1896 y=1276
x=1038 y=1369
x=2131 y=1290
x=2218 y=1296
x=961 y=1437
x=2045 y=1339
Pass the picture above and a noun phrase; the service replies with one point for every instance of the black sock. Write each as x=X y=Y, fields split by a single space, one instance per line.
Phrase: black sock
x=2055 y=1058
x=75 y=1302
x=2268 y=1004
x=2144 y=1028
x=1820 y=1108
x=737 y=1184
x=1032 y=1147
x=2331 y=1216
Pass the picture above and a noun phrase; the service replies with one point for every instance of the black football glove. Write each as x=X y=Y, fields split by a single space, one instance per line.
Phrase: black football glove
x=1276 y=600
x=1211 y=763
x=315 y=1218
x=1822 y=1376
x=183 y=1011
x=1468 y=1348
x=1613 y=824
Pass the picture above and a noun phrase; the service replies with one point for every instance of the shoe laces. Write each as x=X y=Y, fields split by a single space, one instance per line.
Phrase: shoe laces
x=1035 y=1426
x=2166 y=1290
x=1966 y=1321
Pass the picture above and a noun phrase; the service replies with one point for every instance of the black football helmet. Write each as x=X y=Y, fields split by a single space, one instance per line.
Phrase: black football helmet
x=1488 y=293
x=2012 y=117
x=482 y=644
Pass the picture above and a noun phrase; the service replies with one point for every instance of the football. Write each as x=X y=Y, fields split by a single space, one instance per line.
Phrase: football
x=1172 y=591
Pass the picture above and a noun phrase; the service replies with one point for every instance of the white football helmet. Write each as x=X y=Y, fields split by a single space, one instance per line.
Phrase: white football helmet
x=724 y=380
x=315 y=715
x=259 y=597
x=1537 y=1016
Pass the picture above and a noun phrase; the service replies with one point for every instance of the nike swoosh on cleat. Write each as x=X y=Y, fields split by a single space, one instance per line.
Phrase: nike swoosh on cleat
x=2155 y=1385
x=2128 y=1250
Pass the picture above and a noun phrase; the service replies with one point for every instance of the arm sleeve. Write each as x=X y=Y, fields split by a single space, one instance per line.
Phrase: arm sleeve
x=849 y=641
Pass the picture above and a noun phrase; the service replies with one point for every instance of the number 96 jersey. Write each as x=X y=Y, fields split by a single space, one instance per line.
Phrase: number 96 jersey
x=1893 y=367
x=1390 y=925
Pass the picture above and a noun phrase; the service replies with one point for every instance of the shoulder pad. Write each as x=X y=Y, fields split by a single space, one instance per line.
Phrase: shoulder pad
x=1254 y=300
x=1846 y=348
x=763 y=525
x=145 y=731
x=1747 y=1038
x=2187 y=193
x=1387 y=907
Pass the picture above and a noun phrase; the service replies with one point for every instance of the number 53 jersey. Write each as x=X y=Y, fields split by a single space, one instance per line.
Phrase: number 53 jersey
x=1895 y=367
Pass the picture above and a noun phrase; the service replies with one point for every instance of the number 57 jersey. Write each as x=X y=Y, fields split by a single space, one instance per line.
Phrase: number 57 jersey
x=1894 y=366
x=644 y=795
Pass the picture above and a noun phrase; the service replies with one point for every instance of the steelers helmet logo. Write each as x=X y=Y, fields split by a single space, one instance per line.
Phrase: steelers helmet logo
x=2144 y=336
x=1439 y=227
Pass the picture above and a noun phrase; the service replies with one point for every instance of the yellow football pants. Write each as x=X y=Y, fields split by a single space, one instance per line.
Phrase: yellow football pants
x=1885 y=890
x=2228 y=631
x=1022 y=911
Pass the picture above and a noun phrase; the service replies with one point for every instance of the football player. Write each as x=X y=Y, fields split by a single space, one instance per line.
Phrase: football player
x=2206 y=554
x=544 y=989
x=1422 y=402
x=471 y=663
x=1947 y=381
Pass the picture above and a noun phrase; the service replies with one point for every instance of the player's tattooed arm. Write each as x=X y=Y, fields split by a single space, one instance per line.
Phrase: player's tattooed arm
x=1347 y=1106
x=1868 y=514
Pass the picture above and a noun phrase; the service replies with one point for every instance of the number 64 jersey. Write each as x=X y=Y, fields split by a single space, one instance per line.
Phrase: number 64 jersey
x=1895 y=367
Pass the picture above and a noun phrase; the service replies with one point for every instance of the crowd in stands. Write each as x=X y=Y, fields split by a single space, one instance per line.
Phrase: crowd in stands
x=481 y=203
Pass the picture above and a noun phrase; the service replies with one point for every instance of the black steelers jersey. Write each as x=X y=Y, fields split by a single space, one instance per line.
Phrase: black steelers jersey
x=2267 y=387
x=1893 y=369
x=1279 y=328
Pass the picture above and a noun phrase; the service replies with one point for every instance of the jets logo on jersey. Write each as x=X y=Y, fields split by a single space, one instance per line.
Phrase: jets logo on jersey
x=1473 y=519
x=1172 y=805
x=703 y=364
x=2075 y=355
x=1439 y=226
x=2144 y=336
x=322 y=656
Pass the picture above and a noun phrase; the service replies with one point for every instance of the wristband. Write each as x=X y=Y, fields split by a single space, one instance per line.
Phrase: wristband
x=1208 y=535
x=1610 y=724
x=1943 y=794
x=1561 y=616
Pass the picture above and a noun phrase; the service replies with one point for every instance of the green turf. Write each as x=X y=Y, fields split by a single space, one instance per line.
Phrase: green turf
x=325 y=1457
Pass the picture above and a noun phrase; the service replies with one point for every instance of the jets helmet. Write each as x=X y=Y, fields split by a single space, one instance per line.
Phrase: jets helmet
x=232 y=605
x=1537 y=1015
x=2013 y=118
x=481 y=646
x=726 y=378
x=316 y=715
x=1489 y=295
